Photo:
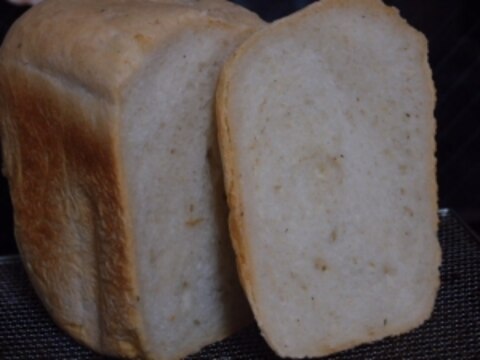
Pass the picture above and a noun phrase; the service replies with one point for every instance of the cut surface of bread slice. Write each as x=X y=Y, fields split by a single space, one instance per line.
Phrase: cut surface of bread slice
x=327 y=140
x=109 y=146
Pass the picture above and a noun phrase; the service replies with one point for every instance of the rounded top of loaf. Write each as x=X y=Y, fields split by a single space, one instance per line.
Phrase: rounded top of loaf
x=99 y=44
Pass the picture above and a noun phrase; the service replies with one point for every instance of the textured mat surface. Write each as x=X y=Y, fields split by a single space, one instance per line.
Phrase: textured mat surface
x=453 y=332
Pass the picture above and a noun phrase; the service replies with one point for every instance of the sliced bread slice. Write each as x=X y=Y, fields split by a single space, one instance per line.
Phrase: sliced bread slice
x=327 y=140
x=109 y=146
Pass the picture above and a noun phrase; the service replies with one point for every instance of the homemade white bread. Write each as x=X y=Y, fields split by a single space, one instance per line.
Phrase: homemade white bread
x=110 y=149
x=327 y=140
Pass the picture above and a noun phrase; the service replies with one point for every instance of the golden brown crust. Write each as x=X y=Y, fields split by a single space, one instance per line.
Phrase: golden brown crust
x=63 y=170
x=232 y=186
x=108 y=37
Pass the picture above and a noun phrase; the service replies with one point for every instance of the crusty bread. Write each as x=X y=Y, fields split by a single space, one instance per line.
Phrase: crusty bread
x=110 y=150
x=327 y=140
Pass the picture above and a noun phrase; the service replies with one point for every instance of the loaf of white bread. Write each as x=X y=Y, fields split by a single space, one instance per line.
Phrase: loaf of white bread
x=327 y=140
x=110 y=149
x=326 y=131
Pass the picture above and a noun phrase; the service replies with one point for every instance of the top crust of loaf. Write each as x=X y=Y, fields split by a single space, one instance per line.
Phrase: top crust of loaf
x=227 y=113
x=109 y=37
x=64 y=67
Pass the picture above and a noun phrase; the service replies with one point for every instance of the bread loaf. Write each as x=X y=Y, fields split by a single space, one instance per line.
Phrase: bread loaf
x=110 y=151
x=327 y=139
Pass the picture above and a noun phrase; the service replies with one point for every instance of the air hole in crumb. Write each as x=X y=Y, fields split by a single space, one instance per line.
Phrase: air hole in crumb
x=402 y=191
x=196 y=322
x=385 y=321
x=286 y=230
x=172 y=151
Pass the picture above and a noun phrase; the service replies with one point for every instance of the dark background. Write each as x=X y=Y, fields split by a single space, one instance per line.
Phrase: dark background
x=453 y=30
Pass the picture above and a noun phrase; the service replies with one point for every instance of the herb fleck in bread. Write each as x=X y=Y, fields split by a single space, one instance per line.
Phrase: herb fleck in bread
x=110 y=150
x=327 y=139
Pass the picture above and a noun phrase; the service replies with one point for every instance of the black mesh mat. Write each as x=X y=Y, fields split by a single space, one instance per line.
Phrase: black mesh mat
x=453 y=332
